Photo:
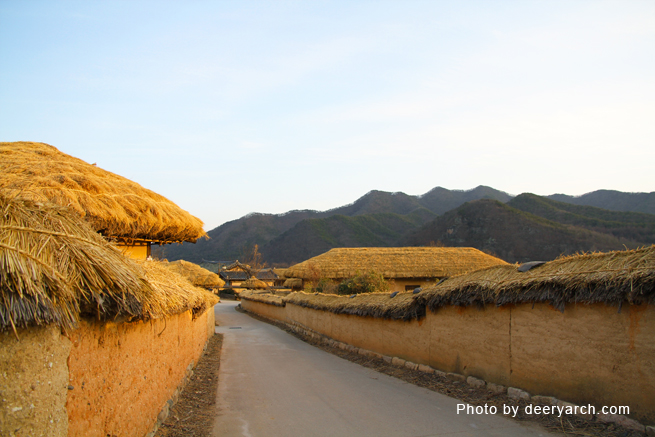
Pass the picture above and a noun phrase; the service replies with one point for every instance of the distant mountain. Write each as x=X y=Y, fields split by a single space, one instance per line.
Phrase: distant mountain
x=312 y=237
x=612 y=200
x=380 y=218
x=440 y=200
x=635 y=226
x=511 y=234
x=233 y=239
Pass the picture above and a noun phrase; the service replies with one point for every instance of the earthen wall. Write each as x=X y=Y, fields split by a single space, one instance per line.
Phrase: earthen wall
x=586 y=354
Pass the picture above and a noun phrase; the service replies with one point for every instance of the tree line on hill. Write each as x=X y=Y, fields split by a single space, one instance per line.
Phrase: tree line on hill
x=515 y=228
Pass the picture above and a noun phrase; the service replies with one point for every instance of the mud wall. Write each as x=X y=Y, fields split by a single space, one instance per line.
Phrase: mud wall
x=267 y=310
x=121 y=375
x=587 y=354
x=34 y=382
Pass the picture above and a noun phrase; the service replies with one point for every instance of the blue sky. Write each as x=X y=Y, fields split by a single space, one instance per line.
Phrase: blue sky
x=230 y=107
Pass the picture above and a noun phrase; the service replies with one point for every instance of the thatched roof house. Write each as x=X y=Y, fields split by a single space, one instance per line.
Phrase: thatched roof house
x=405 y=267
x=116 y=207
x=197 y=275
x=55 y=269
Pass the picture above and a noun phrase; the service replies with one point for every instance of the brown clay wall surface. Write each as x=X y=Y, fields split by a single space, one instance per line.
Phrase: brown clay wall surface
x=587 y=354
x=471 y=341
x=123 y=374
x=34 y=382
x=399 y=284
x=319 y=321
x=266 y=310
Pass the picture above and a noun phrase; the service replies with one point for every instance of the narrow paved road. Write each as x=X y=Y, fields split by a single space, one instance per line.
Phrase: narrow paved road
x=272 y=384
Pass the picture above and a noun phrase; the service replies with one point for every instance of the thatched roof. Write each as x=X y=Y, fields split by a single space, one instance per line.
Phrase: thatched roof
x=174 y=291
x=197 y=275
x=399 y=306
x=254 y=284
x=611 y=278
x=293 y=283
x=270 y=298
x=393 y=262
x=281 y=273
x=54 y=268
x=113 y=205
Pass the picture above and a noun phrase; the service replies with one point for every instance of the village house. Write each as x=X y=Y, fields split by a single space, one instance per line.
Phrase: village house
x=234 y=274
x=405 y=268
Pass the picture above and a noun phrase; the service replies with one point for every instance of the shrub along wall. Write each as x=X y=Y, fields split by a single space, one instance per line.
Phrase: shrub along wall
x=589 y=353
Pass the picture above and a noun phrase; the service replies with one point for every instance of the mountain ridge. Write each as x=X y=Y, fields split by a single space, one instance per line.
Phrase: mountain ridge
x=275 y=234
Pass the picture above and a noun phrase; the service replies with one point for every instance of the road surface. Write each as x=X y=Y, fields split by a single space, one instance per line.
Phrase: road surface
x=273 y=384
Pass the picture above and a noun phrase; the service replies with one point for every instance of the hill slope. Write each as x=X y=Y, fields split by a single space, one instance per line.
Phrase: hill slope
x=312 y=237
x=635 y=226
x=510 y=233
x=612 y=200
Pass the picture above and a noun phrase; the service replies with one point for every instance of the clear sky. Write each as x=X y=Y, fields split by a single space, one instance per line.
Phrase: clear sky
x=232 y=107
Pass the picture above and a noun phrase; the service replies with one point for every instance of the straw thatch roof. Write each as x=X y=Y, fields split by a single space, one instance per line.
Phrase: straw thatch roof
x=270 y=298
x=398 y=306
x=113 y=205
x=393 y=262
x=612 y=278
x=293 y=283
x=197 y=275
x=281 y=273
x=54 y=268
x=174 y=291
x=254 y=284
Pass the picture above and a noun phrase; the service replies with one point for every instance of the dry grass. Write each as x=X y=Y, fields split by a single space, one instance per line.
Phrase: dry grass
x=294 y=283
x=173 y=293
x=113 y=205
x=393 y=262
x=271 y=298
x=254 y=284
x=611 y=277
x=54 y=268
x=401 y=306
x=197 y=275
